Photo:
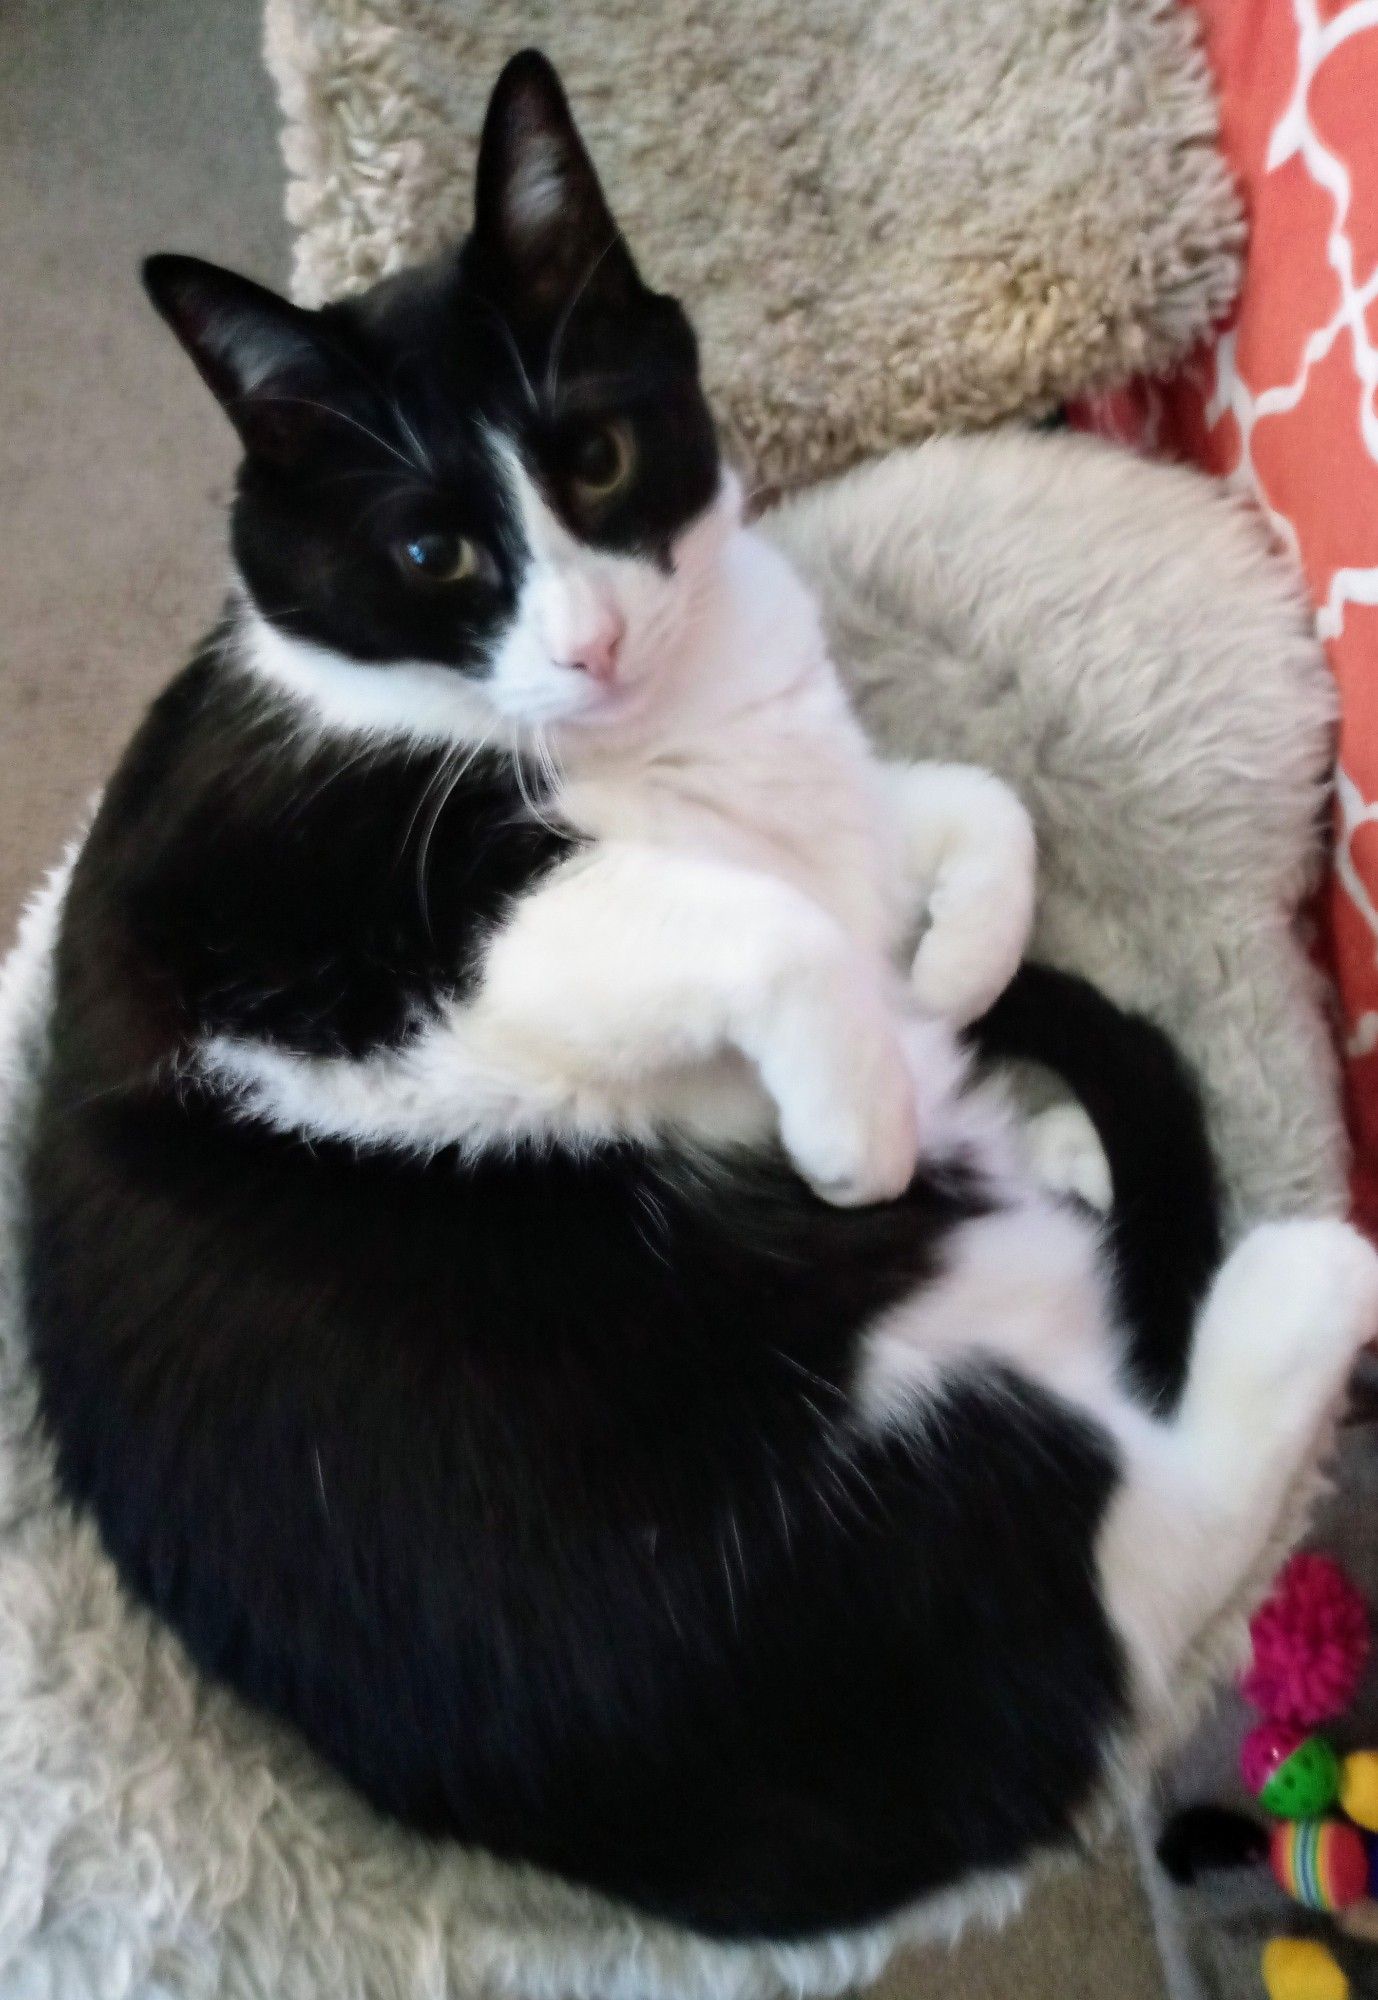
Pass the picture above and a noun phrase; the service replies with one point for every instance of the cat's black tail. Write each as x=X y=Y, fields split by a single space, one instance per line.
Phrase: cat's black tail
x=1144 y=1103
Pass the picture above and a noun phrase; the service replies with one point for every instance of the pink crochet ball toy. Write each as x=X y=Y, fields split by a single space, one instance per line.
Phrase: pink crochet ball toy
x=1311 y=1641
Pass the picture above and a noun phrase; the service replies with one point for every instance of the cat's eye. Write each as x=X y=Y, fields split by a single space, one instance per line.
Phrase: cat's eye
x=602 y=460
x=439 y=558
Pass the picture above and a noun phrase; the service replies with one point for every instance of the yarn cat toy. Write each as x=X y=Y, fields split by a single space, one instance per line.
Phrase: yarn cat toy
x=1311 y=1643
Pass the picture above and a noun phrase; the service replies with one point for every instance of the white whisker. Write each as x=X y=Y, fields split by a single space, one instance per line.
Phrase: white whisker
x=510 y=341
x=456 y=766
x=547 y=775
x=301 y=805
x=557 y=340
x=307 y=403
x=409 y=433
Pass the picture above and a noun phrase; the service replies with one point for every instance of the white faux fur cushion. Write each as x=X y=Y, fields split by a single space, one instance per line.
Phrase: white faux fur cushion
x=885 y=217
x=1117 y=639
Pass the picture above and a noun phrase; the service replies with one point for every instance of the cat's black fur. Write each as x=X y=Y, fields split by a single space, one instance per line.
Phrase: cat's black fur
x=320 y=900
x=516 y=1484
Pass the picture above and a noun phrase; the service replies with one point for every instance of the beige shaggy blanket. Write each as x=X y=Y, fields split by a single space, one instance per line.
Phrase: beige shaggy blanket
x=886 y=217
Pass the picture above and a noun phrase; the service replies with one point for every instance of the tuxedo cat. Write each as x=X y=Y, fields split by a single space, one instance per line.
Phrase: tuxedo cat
x=519 y=1269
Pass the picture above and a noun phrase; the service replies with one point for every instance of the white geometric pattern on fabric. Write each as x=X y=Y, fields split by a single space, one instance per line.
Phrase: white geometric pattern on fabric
x=1295 y=136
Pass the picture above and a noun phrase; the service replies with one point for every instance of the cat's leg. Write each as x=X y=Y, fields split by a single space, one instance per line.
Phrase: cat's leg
x=1204 y=1493
x=969 y=859
x=634 y=961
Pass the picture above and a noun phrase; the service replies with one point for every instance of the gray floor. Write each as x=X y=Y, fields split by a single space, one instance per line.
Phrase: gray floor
x=128 y=126
x=125 y=126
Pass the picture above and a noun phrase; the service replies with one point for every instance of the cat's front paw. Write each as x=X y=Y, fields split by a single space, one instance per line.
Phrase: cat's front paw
x=856 y=1141
x=979 y=916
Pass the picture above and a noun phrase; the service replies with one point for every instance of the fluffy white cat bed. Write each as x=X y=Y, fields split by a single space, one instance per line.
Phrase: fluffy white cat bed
x=1116 y=639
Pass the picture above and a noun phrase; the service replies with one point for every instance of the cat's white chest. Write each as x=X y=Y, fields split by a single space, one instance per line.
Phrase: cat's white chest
x=759 y=762
x=779 y=806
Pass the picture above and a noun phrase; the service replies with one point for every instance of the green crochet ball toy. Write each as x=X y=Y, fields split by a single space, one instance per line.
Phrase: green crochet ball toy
x=1305 y=1784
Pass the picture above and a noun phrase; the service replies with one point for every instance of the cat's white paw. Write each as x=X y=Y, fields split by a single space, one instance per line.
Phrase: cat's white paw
x=1065 y=1155
x=1290 y=1309
x=856 y=1141
x=957 y=976
x=979 y=918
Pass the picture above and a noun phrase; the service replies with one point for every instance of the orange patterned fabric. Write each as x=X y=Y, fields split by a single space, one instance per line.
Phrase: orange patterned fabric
x=1286 y=401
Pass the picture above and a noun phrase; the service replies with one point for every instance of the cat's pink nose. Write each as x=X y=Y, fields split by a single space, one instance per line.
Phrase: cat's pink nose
x=595 y=650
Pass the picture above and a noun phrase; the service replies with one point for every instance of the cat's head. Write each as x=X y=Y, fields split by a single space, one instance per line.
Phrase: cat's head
x=491 y=479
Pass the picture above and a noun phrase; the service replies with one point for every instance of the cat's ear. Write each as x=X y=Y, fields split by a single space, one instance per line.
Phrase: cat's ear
x=539 y=210
x=261 y=356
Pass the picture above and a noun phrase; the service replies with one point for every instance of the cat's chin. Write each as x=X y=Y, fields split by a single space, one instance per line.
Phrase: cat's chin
x=612 y=709
x=584 y=714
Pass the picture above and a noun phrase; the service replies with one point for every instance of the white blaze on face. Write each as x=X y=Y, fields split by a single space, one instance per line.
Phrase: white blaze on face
x=595 y=629
x=577 y=617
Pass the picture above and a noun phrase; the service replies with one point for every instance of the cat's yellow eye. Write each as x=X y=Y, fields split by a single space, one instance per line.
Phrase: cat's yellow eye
x=602 y=461
x=439 y=558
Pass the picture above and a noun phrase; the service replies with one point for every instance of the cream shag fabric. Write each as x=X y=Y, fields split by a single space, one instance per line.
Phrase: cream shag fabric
x=1113 y=636
x=886 y=217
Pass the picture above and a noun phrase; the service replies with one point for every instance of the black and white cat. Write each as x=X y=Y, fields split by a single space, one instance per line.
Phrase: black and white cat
x=523 y=1282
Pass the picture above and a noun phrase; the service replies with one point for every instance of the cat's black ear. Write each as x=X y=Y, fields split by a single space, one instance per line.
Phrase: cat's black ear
x=260 y=355
x=539 y=210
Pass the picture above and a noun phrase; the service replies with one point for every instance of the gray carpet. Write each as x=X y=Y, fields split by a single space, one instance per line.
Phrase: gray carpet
x=146 y=124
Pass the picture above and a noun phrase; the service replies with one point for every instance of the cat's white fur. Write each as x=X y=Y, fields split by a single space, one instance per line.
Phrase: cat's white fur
x=736 y=947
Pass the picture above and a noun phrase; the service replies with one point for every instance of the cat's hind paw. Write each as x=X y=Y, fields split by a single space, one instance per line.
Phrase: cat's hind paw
x=1289 y=1310
x=1065 y=1156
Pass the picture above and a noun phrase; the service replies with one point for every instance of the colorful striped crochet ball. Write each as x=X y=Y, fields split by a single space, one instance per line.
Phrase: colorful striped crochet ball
x=1321 y=1862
